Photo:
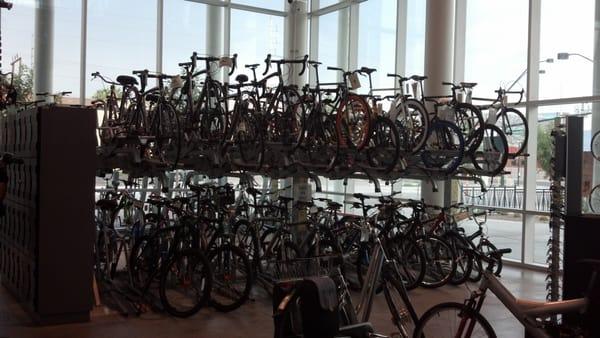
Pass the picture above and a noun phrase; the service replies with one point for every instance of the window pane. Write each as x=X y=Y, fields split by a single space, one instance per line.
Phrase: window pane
x=277 y=5
x=377 y=40
x=67 y=48
x=485 y=45
x=17 y=39
x=415 y=37
x=331 y=42
x=253 y=36
x=325 y=3
x=184 y=33
x=567 y=29
x=505 y=231
x=121 y=38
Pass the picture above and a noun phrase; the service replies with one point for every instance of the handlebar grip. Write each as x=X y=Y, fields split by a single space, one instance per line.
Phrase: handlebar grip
x=234 y=64
x=392 y=75
x=334 y=68
x=447 y=83
x=65 y=93
x=95 y=74
x=267 y=64
x=303 y=65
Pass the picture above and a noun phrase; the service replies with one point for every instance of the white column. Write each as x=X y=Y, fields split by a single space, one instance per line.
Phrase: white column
x=439 y=61
x=83 y=52
x=343 y=47
x=214 y=32
x=530 y=178
x=43 y=48
x=159 y=34
x=401 y=35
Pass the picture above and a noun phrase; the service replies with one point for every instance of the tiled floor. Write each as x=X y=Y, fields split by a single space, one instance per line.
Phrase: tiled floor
x=254 y=319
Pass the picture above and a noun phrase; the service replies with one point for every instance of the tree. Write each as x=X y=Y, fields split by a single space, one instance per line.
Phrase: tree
x=102 y=94
x=545 y=147
x=22 y=82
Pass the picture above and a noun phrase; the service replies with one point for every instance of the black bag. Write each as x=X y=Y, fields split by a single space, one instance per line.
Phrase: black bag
x=313 y=311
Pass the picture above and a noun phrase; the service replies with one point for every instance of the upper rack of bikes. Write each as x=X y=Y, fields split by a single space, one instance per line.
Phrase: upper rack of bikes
x=265 y=125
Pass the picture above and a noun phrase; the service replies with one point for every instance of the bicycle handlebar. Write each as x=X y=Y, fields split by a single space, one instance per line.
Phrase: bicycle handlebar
x=269 y=61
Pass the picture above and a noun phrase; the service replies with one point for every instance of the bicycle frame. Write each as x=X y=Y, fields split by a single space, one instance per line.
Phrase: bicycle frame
x=526 y=311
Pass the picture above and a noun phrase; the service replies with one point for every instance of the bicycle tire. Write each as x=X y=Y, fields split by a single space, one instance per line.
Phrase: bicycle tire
x=473 y=126
x=418 y=126
x=494 y=142
x=250 y=143
x=186 y=258
x=353 y=130
x=246 y=238
x=144 y=259
x=410 y=258
x=490 y=248
x=403 y=313
x=446 y=324
x=443 y=137
x=441 y=262
x=594 y=199
x=463 y=257
x=503 y=121
x=384 y=145
x=222 y=275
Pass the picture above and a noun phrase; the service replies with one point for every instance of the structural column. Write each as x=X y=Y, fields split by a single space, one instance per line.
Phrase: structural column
x=596 y=88
x=44 y=46
x=214 y=32
x=296 y=29
x=439 y=61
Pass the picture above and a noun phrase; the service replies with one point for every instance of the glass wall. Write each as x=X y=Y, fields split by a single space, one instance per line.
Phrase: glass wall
x=121 y=38
x=184 y=32
x=253 y=36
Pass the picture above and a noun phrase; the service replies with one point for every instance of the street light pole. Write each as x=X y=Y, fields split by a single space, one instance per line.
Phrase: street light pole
x=549 y=60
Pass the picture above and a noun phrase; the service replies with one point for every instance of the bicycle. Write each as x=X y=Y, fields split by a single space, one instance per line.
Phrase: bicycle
x=466 y=320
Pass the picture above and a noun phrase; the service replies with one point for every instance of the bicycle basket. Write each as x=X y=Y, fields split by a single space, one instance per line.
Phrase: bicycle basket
x=301 y=268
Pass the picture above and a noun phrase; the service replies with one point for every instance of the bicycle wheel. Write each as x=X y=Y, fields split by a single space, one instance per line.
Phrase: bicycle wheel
x=595 y=145
x=321 y=142
x=410 y=260
x=384 y=145
x=246 y=239
x=485 y=247
x=144 y=259
x=453 y=320
x=415 y=121
x=464 y=258
x=514 y=126
x=402 y=311
x=185 y=283
x=249 y=141
x=594 y=199
x=492 y=154
x=444 y=148
x=353 y=121
x=469 y=120
x=441 y=262
x=231 y=278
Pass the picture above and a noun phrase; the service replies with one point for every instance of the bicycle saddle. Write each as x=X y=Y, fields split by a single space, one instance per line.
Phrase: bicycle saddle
x=126 y=80
x=468 y=84
x=334 y=205
x=241 y=78
x=418 y=78
x=367 y=70
x=360 y=196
